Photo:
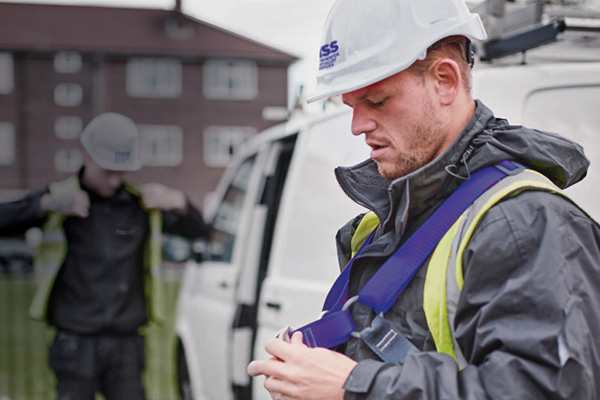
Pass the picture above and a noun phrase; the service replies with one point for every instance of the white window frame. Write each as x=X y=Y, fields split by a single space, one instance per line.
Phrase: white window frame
x=68 y=94
x=221 y=142
x=230 y=80
x=8 y=147
x=161 y=145
x=68 y=127
x=154 y=77
x=7 y=73
x=68 y=160
x=67 y=62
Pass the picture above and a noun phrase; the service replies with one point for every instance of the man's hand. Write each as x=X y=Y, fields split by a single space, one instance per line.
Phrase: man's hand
x=164 y=198
x=74 y=204
x=298 y=372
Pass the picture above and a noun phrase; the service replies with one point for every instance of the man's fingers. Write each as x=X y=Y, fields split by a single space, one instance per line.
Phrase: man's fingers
x=278 y=388
x=156 y=195
x=82 y=204
x=286 y=351
x=268 y=367
x=297 y=338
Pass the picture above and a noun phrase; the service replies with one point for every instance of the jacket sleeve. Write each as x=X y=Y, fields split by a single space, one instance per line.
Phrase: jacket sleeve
x=527 y=318
x=18 y=216
x=190 y=225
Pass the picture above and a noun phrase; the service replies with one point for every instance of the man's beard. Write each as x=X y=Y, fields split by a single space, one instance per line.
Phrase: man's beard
x=421 y=152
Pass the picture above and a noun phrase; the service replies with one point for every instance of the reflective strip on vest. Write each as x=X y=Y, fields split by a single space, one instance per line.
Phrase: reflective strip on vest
x=154 y=287
x=442 y=284
x=157 y=291
x=367 y=225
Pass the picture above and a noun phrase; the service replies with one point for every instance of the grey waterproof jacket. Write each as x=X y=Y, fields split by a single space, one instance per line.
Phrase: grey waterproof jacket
x=528 y=318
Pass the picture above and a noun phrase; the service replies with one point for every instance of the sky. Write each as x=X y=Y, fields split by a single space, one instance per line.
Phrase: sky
x=293 y=26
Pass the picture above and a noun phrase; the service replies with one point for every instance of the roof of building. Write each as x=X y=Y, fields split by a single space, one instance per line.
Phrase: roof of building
x=113 y=30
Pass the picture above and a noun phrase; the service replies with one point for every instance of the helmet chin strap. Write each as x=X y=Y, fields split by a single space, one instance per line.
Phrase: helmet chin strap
x=464 y=43
x=470 y=54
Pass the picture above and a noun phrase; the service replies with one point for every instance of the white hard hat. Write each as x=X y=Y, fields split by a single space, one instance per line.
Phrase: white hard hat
x=113 y=142
x=366 y=41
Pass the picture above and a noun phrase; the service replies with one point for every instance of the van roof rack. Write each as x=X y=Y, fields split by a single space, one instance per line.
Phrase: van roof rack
x=515 y=26
x=521 y=42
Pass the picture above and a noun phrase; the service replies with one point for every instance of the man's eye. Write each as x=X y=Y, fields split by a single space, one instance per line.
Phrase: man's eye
x=378 y=104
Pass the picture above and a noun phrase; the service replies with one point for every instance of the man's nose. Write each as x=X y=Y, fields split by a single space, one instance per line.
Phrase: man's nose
x=361 y=121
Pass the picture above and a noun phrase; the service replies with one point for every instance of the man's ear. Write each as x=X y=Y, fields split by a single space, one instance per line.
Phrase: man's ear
x=447 y=78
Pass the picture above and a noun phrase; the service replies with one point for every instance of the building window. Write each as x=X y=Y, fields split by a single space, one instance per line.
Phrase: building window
x=68 y=127
x=67 y=62
x=161 y=145
x=221 y=143
x=230 y=80
x=68 y=94
x=154 y=77
x=68 y=160
x=7 y=143
x=7 y=79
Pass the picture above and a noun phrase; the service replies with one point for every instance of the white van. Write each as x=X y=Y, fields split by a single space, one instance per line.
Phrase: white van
x=271 y=257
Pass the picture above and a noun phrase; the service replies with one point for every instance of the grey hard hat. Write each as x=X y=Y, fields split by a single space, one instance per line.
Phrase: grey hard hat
x=112 y=140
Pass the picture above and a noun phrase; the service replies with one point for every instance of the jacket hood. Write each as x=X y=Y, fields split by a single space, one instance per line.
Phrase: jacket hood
x=486 y=140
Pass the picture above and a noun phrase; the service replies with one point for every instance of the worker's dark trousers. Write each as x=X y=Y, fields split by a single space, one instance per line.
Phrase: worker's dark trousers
x=109 y=364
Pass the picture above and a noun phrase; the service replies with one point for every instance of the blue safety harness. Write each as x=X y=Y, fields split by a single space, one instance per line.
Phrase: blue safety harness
x=383 y=289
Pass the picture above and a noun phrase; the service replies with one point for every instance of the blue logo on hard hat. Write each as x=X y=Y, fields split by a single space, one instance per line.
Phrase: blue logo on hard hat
x=328 y=55
x=122 y=157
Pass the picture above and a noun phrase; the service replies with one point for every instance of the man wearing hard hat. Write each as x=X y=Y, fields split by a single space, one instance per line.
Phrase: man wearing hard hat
x=99 y=260
x=473 y=276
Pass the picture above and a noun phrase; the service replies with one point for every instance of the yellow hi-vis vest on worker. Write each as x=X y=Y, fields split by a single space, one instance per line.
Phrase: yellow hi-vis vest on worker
x=52 y=252
x=444 y=278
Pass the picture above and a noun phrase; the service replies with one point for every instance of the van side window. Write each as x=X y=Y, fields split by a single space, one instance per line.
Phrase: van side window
x=227 y=217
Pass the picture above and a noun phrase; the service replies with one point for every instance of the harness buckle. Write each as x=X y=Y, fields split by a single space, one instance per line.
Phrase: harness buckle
x=386 y=340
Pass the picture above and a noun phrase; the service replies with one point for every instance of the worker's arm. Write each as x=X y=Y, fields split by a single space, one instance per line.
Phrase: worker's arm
x=18 y=216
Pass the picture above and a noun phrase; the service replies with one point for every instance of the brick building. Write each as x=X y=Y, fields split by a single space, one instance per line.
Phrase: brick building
x=195 y=91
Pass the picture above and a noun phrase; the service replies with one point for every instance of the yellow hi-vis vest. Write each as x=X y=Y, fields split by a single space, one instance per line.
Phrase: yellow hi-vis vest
x=52 y=252
x=444 y=278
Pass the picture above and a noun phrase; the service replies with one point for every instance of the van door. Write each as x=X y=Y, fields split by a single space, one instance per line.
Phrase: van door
x=207 y=299
x=217 y=302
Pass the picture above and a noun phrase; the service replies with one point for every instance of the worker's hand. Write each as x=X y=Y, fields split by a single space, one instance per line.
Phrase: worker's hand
x=155 y=195
x=74 y=204
x=298 y=372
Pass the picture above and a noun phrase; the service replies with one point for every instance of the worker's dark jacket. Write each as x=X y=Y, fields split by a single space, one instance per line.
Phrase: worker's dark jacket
x=100 y=285
x=528 y=317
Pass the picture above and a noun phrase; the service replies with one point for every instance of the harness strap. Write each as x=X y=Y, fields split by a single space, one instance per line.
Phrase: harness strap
x=384 y=288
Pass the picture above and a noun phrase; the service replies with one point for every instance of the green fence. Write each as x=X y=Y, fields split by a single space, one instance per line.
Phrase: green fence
x=24 y=371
